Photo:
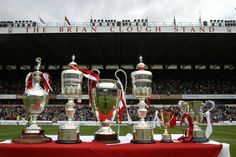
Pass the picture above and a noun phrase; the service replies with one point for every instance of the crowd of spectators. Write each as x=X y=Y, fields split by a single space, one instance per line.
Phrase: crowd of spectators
x=85 y=113
x=163 y=83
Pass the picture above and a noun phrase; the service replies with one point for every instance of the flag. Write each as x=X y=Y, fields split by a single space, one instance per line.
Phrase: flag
x=174 y=21
x=200 y=20
x=42 y=21
x=66 y=19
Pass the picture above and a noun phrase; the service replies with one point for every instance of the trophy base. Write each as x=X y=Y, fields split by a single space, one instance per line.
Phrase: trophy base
x=106 y=138
x=199 y=140
x=68 y=136
x=143 y=136
x=143 y=141
x=166 y=139
x=32 y=138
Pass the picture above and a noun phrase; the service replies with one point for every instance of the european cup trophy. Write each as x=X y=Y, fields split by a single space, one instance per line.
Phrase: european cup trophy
x=105 y=98
x=166 y=118
x=142 y=89
x=35 y=100
x=197 y=110
x=71 y=88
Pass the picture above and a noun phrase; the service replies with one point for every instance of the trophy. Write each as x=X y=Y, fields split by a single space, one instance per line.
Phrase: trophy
x=195 y=110
x=105 y=97
x=166 y=118
x=35 y=100
x=71 y=88
x=142 y=89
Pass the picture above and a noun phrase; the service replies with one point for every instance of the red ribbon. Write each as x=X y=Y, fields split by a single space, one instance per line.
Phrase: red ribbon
x=86 y=71
x=108 y=116
x=29 y=81
x=173 y=121
x=190 y=131
x=47 y=81
x=148 y=100
x=123 y=107
x=140 y=68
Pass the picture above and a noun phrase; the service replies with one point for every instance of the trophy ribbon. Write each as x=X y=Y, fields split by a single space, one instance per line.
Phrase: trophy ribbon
x=87 y=73
x=122 y=103
x=209 y=126
x=173 y=120
x=47 y=82
x=190 y=132
x=29 y=80
x=107 y=116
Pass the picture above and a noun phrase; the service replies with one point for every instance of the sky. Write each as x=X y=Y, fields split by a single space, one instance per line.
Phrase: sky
x=83 y=10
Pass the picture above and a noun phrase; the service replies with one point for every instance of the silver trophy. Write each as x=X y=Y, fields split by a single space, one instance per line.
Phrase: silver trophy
x=105 y=98
x=197 y=109
x=71 y=88
x=142 y=89
x=35 y=100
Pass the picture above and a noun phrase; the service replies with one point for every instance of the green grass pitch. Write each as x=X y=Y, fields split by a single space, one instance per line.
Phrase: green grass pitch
x=224 y=134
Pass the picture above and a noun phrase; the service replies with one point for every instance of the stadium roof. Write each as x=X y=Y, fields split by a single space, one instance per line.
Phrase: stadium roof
x=118 y=48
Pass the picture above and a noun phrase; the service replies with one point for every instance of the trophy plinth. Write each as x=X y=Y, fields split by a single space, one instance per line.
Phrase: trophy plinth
x=106 y=138
x=71 y=87
x=35 y=100
x=141 y=88
x=32 y=138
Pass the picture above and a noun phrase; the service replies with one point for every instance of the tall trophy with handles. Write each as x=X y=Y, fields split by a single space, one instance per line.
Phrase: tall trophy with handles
x=71 y=88
x=35 y=100
x=142 y=89
x=105 y=97
x=197 y=110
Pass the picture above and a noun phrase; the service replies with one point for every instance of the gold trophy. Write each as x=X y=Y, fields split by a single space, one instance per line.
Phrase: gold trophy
x=71 y=86
x=196 y=110
x=166 y=117
x=142 y=89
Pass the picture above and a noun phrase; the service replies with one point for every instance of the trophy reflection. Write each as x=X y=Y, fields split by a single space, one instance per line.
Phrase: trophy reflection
x=141 y=88
x=71 y=88
x=105 y=98
x=166 y=118
x=35 y=100
x=195 y=110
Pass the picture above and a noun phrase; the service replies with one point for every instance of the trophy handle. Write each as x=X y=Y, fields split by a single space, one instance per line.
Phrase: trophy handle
x=120 y=70
x=210 y=102
x=181 y=106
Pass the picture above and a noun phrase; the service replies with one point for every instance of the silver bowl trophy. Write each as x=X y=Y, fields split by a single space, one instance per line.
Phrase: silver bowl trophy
x=142 y=89
x=197 y=109
x=105 y=98
x=71 y=88
x=35 y=100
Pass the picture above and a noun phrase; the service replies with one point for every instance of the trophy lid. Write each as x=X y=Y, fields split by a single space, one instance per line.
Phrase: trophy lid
x=72 y=63
x=140 y=65
x=140 y=68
